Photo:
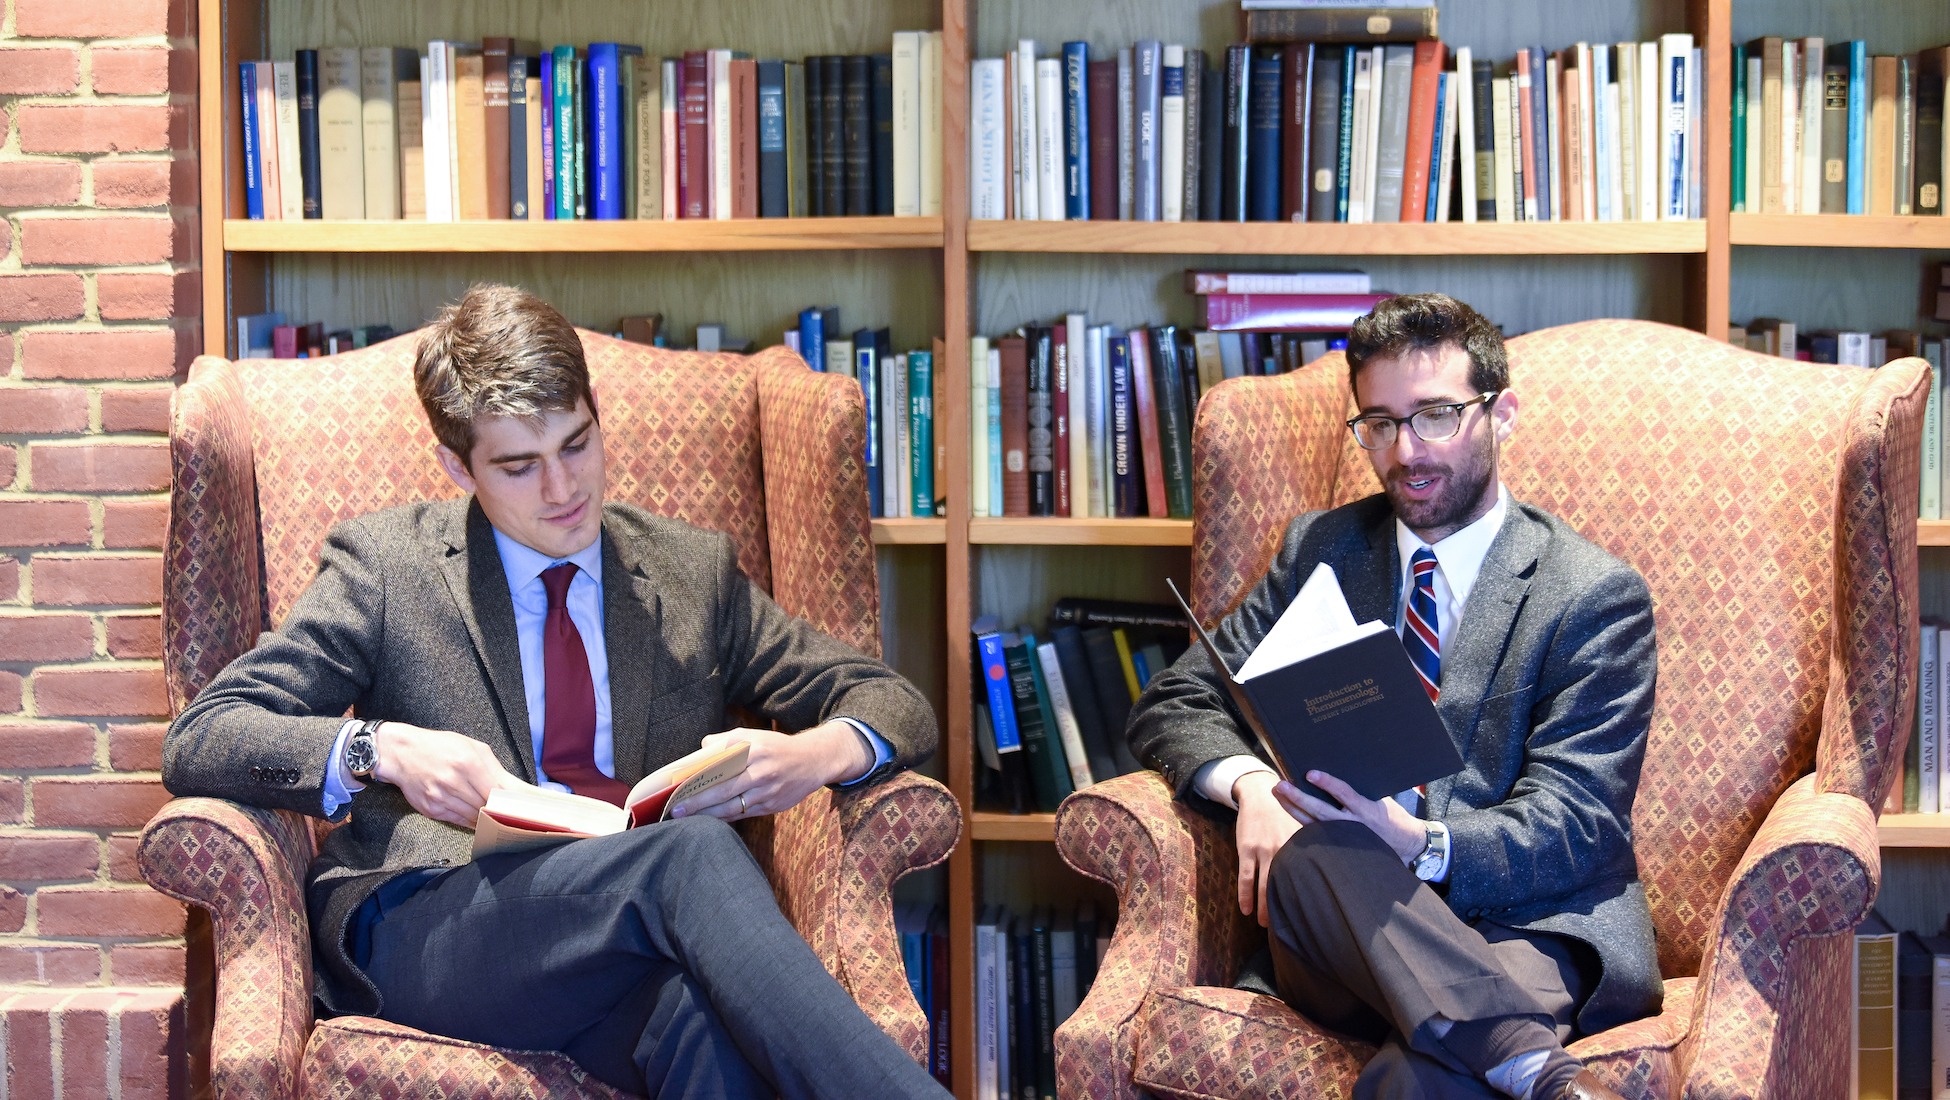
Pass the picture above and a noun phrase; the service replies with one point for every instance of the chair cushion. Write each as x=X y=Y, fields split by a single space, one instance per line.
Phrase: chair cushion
x=358 y=1056
x=1203 y=1042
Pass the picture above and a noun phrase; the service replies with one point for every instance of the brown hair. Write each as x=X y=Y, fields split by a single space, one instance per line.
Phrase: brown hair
x=1409 y=322
x=499 y=351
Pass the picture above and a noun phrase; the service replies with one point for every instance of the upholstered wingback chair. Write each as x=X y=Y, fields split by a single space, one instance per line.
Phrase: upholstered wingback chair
x=268 y=454
x=1771 y=507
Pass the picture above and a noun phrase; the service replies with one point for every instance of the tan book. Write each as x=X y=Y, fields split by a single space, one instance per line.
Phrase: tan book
x=470 y=135
x=648 y=119
x=744 y=138
x=1506 y=206
x=381 y=69
x=1572 y=159
x=1882 y=135
x=1771 y=117
x=494 y=114
x=1872 y=1031
x=522 y=817
x=341 y=136
x=411 y=117
x=532 y=113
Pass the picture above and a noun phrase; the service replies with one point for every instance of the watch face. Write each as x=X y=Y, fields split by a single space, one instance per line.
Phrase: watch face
x=359 y=755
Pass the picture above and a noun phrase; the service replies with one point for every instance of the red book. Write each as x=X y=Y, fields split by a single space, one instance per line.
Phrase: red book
x=1296 y=80
x=1416 y=170
x=694 y=138
x=1059 y=401
x=494 y=99
x=1286 y=312
x=1015 y=425
x=1526 y=149
x=1146 y=411
x=744 y=138
x=1103 y=140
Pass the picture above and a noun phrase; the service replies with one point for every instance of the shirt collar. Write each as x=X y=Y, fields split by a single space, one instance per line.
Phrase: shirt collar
x=524 y=564
x=1461 y=555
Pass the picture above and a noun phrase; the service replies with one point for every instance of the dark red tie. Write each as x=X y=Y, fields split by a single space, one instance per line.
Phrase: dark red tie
x=569 y=723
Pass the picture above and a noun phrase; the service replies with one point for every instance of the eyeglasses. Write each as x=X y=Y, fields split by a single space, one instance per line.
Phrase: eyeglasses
x=1434 y=424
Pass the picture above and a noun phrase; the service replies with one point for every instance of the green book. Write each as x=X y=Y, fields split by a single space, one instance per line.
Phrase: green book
x=1739 y=142
x=1049 y=769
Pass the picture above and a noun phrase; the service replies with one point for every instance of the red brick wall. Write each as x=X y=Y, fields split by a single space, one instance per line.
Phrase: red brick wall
x=97 y=317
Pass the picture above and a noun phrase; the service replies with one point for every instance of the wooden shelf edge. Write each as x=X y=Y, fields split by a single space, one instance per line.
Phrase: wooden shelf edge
x=1914 y=830
x=1080 y=532
x=1839 y=231
x=1933 y=532
x=985 y=825
x=737 y=235
x=910 y=532
x=1319 y=238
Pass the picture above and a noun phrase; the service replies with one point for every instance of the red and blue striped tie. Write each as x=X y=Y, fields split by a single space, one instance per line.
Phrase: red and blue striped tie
x=1420 y=627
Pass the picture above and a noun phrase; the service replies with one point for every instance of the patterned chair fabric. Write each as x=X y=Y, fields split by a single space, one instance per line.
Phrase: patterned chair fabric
x=1771 y=507
x=267 y=455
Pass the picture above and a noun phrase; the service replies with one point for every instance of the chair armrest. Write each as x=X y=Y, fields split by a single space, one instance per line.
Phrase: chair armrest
x=1772 y=1011
x=833 y=861
x=1178 y=923
x=246 y=867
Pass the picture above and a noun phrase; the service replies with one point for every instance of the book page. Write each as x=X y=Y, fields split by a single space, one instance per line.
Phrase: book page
x=1316 y=621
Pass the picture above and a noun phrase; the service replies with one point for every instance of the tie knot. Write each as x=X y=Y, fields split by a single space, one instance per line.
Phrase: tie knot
x=1422 y=564
x=556 y=580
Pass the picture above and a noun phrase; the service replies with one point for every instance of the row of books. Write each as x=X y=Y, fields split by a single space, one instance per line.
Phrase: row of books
x=1050 y=713
x=1926 y=786
x=1826 y=128
x=1090 y=420
x=506 y=130
x=1332 y=131
x=923 y=932
x=1900 y=1033
x=267 y=336
x=1032 y=970
x=903 y=461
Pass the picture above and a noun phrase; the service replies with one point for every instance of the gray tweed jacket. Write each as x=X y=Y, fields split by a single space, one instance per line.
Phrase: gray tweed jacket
x=409 y=619
x=1547 y=689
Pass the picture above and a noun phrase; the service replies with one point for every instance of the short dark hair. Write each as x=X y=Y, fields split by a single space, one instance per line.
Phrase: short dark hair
x=499 y=351
x=1411 y=322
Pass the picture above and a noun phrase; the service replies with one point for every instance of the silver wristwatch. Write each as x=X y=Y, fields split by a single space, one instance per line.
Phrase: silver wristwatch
x=362 y=751
x=1435 y=852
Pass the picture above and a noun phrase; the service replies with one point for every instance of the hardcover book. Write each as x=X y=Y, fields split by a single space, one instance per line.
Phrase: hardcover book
x=525 y=817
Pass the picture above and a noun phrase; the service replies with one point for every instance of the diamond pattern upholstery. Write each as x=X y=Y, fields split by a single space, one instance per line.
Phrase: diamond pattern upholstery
x=1771 y=507
x=267 y=455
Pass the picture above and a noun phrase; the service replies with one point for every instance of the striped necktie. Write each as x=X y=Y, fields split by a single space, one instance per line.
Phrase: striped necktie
x=1421 y=627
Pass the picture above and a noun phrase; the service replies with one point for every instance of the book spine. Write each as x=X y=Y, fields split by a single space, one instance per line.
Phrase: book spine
x=1808 y=143
x=1397 y=91
x=1001 y=696
x=1233 y=168
x=1041 y=436
x=1211 y=142
x=1542 y=91
x=1045 y=1006
x=1101 y=101
x=771 y=140
x=932 y=135
x=308 y=140
x=1441 y=144
x=987 y=994
x=1929 y=729
x=1361 y=138
x=1126 y=134
x=1144 y=408
x=1340 y=24
x=1171 y=135
x=881 y=72
x=899 y=473
x=341 y=135
x=1858 y=126
x=1872 y=1024
x=379 y=107
x=1194 y=154
x=906 y=77
x=1015 y=425
x=797 y=137
x=995 y=450
x=1882 y=135
x=517 y=163
x=866 y=367
x=497 y=138
x=470 y=136
x=642 y=141
x=1526 y=140
x=563 y=71
x=987 y=187
x=1483 y=113
x=978 y=429
x=548 y=134
x=412 y=140
x=1423 y=115
x=1076 y=131
x=1048 y=772
x=1324 y=134
x=253 y=138
x=722 y=136
x=1096 y=348
x=832 y=123
x=1296 y=82
x=1049 y=138
x=607 y=204
x=1148 y=92
x=1174 y=422
x=743 y=73
x=920 y=396
x=269 y=169
x=1076 y=464
x=1060 y=427
x=1286 y=312
x=1263 y=104
x=1127 y=484
x=1930 y=101
x=1675 y=59
x=815 y=77
x=290 y=179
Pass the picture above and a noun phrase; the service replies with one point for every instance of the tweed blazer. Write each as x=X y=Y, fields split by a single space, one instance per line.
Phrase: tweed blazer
x=409 y=619
x=1547 y=691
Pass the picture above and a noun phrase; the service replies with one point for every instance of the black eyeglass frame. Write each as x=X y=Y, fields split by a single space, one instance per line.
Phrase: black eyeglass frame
x=1398 y=422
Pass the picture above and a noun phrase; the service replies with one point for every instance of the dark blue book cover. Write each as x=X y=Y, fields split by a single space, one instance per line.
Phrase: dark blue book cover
x=1263 y=138
x=1127 y=474
x=832 y=124
x=253 y=141
x=307 y=71
x=547 y=71
x=772 y=194
x=1485 y=123
x=605 y=133
x=518 y=137
x=883 y=135
x=816 y=138
x=812 y=338
x=1211 y=150
x=1858 y=126
x=1239 y=59
x=1076 y=131
x=1540 y=105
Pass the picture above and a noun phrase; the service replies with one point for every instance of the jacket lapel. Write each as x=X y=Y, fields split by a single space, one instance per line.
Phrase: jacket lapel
x=479 y=586
x=632 y=629
x=1369 y=573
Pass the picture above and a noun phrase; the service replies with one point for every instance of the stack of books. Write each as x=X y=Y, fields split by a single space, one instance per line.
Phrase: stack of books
x=1821 y=128
x=903 y=459
x=923 y=932
x=1315 y=120
x=267 y=336
x=503 y=129
x=1032 y=970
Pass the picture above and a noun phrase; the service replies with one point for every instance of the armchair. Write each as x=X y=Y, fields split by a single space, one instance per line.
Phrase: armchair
x=1771 y=507
x=267 y=455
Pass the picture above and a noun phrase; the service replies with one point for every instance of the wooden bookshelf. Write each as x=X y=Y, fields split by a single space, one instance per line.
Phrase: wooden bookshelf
x=910 y=532
x=987 y=825
x=1333 y=239
x=730 y=235
x=1839 y=231
x=1933 y=532
x=1914 y=830
x=1080 y=532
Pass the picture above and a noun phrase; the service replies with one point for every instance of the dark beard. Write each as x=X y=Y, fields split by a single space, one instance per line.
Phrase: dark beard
x=1466 y=494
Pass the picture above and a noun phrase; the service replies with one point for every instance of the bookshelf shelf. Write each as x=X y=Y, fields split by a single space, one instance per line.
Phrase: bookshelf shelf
x=1327 y=239
x=1839 y=231
x=736 y=235
x=910 y=532
x=1933 y=532
x=1081 y=532
x=986 y=825
x=1914 y=830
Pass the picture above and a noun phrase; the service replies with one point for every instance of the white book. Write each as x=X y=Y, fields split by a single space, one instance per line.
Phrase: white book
x=1049 y=139
x=1376 y=63
x=1451 y=95
x=291 y=180
x=907 y=126
x=978 y=427
x=1613 y=173
x=1648 y=132
x=1812 y=53
x=1600 y=131
x=1028 y=186
x=1506 y=208
x=1126 y=133
x=1171 y=137
x=1932 y=487
x=987 y=996
x=432 y=137
x=1465 y=132
x=987 y=188
x=1754 y=68
x=995 y=430
x=1790 y=127
x=1675 y=58
x=931 y=132
x=1520 y=84
x=1077 y=334
x=904 y=444
x=451 y=102
x=839 y=358
x=1929 y=719
x=1067 y=729
x=379 y=91
x=1362 y=138
x=893 y=414
x=1554 y=122
x=795 y=105
x=1587 y=124
x=341 y=136
x=1098 y=424
x=1626 y=111
x=719 y=104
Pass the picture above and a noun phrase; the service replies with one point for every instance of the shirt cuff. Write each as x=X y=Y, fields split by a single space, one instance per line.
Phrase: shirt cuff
x=339 y=784
x=1215 y=778
x=883 y=753
x=1448 y=851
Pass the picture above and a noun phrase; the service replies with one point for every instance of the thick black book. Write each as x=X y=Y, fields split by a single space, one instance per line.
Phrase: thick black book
x=1113 y=695
x=1232 y=170
x=1048 y=772
x=1481 y=75
x=883 y=134
x=773 y=196
x=1328 y=712
x=1088 y=611
x=1263 y=138
x=832 y=124
x=1042 y=423
x=1022 y=1009
x=1930 y=94
x=1086 y=947
x=1211 y=147
x=306 y=69
x=815 y=137
x=1324 y=133
x=1174 y=426
x=1074 y=661
x=856 y=133
x=1043 y=918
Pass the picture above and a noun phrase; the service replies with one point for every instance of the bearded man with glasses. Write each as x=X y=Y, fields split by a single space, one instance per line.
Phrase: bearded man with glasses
x=1473 y=928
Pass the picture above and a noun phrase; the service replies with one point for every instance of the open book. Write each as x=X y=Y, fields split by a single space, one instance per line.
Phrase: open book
x=525 y=817
x=1324 y=693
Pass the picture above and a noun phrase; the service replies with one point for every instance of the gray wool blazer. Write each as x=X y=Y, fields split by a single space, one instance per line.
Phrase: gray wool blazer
x=409 y=619
x=1547 y=690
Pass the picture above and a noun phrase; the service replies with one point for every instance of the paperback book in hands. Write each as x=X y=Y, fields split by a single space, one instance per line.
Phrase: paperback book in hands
x=527 y=817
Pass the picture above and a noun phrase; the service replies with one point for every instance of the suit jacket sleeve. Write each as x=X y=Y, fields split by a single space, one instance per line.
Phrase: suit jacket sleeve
x=262 y=731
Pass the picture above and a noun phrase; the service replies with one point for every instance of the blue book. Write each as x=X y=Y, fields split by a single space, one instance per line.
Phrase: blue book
x=812 y=337
x=546 y=70
x=866 y=367
x=307 y=73
x=1540 y=93
x=1076 y=130
x=254 y=332
x=253 y=141
x=881 y=103
x=1127 y=474
x=563 y=71
x=1148 y=61
x=1344 y=163
x=1858 y=126
x=1435 y=147
x=920 y=429
x=995 y=445
x=1263 y=138
x=608 y=173
x=995 y=681
x=772 y=179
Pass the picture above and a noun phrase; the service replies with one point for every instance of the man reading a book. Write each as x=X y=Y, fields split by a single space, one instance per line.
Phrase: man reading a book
x=531 y=632
x=1473 y=927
